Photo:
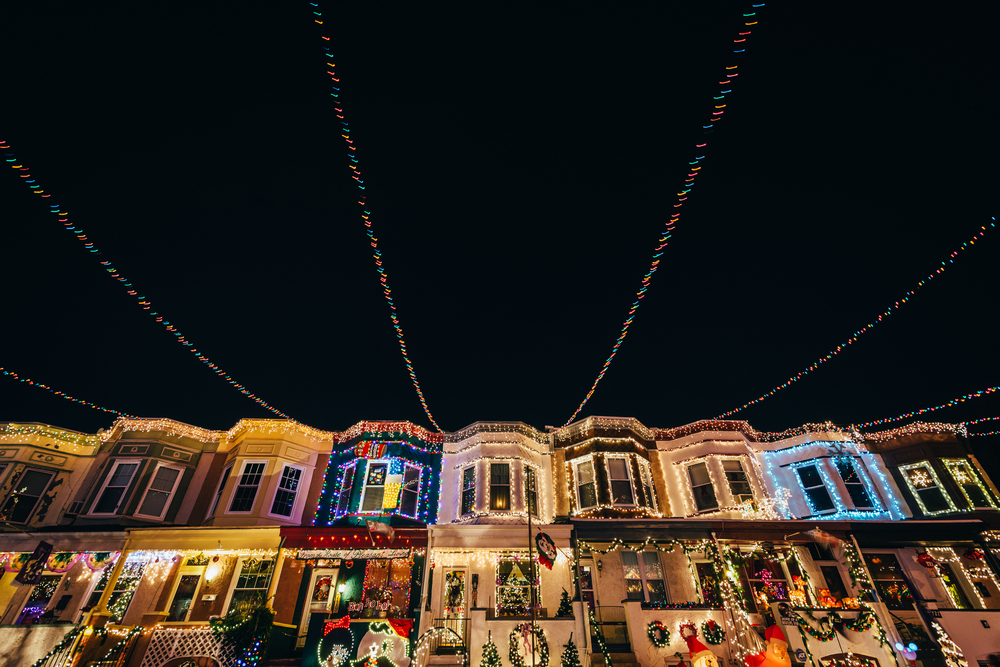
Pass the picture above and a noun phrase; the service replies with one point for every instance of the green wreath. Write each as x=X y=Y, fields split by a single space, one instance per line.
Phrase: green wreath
x=863 y=623
x=713 y=633
x=514 y=641
x=658 y=634
x=817 y=634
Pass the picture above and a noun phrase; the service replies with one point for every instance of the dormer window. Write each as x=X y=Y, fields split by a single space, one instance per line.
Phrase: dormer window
x=24 y=498
x=702 y=488
x=848 y=468
x=926 y=488
x=968 y=481
x=620 y=479
x=110 y=497
x=156 y=500
x=586 y=485
x=817 y=494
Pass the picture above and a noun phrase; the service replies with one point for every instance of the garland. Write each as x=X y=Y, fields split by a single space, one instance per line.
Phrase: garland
x=713 y=633
x=63 y=643
x=514 y=641
x=827 y=636
x=600 y=639
x=658 y=634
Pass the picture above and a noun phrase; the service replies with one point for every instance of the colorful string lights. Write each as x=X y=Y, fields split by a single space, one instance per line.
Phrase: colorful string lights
x=355 y=167
x=865 y=329
x=141 y=300
x=907 y=415
x=694 y=168
x=62 y=394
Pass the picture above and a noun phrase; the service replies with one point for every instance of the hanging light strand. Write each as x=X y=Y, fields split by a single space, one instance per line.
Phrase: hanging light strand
x=141 y=300
x=865 y=329
x=694 y=168
x=355 y=167
x=907 y=415
x=62 y=394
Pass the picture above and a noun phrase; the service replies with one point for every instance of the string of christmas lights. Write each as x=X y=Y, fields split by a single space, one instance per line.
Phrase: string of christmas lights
x=694 y=168
x=355 y=167
x=141 y=300
x=980 y=421
x=915 y=413
x=863 y=330
x=45 y=387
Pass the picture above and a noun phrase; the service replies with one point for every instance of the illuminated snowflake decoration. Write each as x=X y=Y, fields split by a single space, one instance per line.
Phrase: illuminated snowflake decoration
x=961 y=475
x=338 y=656
x=920 y=478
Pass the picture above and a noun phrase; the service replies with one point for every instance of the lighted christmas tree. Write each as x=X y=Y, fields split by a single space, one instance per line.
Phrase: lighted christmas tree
x=570 y=656
x=565 y=606
x=491 y=656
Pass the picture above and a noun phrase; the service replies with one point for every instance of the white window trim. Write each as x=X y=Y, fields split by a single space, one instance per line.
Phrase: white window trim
x=576 y=485
x=236 y=485
x=235 y=579
x=296 y=505
x=628 y=471
x=340 y=492
x=183 y=570
x=420 y=484
x=746 y=472
x=489 y=486
x=475 y=490
x=364 y=485
x=903 y=469
x=647 y=480
x=220 y=490
x=706 y=460
x=525 y=467
x=171 y=495
x=107 y=478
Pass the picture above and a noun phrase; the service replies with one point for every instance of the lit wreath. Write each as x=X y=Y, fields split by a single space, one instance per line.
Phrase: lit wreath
x=515 y=640
x=658 y=634
x=713 y=633
x=687 y=629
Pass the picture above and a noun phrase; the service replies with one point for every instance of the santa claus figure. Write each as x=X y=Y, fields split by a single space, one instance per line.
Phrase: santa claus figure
x=776 y=653
x=699 y=653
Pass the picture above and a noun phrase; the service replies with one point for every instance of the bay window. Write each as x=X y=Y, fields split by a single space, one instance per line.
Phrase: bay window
x=586 y=485
x=701 y=487
x=620 y=478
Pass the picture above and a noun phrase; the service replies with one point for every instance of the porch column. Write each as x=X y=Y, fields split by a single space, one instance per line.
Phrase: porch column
x=634 y=625
x=100 y=610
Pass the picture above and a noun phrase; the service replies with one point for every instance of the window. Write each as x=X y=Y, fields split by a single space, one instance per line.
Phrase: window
x=374 y=492
x=701 y=487
x=647 y=485
x=251 y=586
x=346 y=486
x=972 y=488
x=110 y=497
x=530 y=490
x=38 y=599
x=587 y=585
x=643 y=577
x=288 y=487
x=500 y=486
x=766 y=579
x=739 y=484
x=24 y=498
x=834 y=581
x=817 y=494
x=848 y=469
x=246 y=486
x=889 y=581
x=410 y=495
x=164 y=483
x=121 y=596
x=926 y=488
x=468 y=490
x=514 y=589
x=621 y=481
x=180 y=606
x=585 y=485
x=708 y=584
x=222 y=485
x=950 y=581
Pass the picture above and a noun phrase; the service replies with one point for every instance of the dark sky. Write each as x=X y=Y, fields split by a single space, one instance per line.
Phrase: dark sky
x=519 y=163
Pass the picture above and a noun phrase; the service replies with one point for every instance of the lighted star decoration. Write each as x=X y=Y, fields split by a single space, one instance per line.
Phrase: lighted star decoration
x=920 y=478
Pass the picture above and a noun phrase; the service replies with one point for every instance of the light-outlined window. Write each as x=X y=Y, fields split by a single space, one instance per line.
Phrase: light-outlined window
x=468 y=491
x=620 y=481
x=648 y=490
x=847 y=466
x=161 y=488
x=409 y=495
x=222 y=487
x=27 y=491
x=889 y=580
x=739 y=483
x=968 y=481
x=530 y=490
x=643 y=576
x=927 y=488
x=38 y=600
x=247 y=484
x=500 y=487
x=112 y=492
x=346 y=487
x=288 y=489
x=702 y=487
x=586 y=485
x=817 y=495
x=373 y=495
x=250 y=587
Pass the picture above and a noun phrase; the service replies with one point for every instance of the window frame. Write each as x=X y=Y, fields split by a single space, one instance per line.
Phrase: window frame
x=107 y=478
x=729 y=483
x=628 y=472
x=402 y=490
x=170 y=495
x=951 y=464
x=577 y=485
x=509 y=486
x=364 y=485
x=239 y=476
x=344 y=486
x=825 y=483
x=185 y=570
x=295 y=494
x=644 y=577
x=904 y=468
x=711 y=483
x=235 y=579
x=530 y=486
x=227 y=471
x=863 y=480
x=646 y=475
x=463 y=489
x=52 y=475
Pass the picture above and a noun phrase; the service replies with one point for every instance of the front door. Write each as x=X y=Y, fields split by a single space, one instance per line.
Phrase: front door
x=322 y=593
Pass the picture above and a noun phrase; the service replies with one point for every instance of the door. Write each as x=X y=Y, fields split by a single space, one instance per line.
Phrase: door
x=185 y=592
x=454 y=606
x=322 y=594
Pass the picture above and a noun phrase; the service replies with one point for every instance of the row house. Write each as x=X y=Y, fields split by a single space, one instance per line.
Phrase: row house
x=712 y=541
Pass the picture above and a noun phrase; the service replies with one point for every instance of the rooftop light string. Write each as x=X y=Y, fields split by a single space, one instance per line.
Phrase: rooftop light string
x=980 y=421
x=45 y=387
x=141 y=300
x=355 y=167
x=865 y=329
x=921 y=411
x=694 y=168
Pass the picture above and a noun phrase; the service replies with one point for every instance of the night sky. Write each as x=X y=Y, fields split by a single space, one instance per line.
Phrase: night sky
x=519 y=163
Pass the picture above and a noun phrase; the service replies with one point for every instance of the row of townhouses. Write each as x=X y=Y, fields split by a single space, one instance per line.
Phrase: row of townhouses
x=159 y=544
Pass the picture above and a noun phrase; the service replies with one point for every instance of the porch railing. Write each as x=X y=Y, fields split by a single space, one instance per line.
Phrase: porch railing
x=455 y=642
x=611 y=623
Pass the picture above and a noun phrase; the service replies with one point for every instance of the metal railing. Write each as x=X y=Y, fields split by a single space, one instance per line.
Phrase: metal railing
x=611 y=623
x=455 y=642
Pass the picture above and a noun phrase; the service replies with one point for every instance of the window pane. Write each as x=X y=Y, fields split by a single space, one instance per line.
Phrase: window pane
x=499 y=497
x=699 y=474
x=469 y=478
x=499 y=473
x=809 y=476
x=704 y=498
x=630 y=565
x=588 y=495
x=186 y=589
x=164 y=479
x=934 y=499
x=651 y=563
x=622 y=493
x=24 y=497
x=243 y=498
x=618 y=468
x=859 y=496
x=159 y=492
x=408 y=503
x=821 y=501
x=585 y=472
x=373 y=498
x=109 y=500
x=222 y=487
x=345 y=489
x=976 y=495
x=656 y=590
x=376 y=473
x=834 y=582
